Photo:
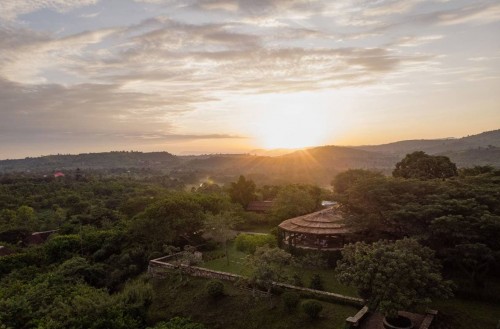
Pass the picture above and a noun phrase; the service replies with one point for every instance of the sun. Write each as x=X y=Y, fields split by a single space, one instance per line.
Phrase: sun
x=292 y=128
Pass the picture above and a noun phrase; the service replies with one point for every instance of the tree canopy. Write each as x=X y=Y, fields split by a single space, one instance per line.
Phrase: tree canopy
x=423 y=166
x=392 y=276
x=242 y=191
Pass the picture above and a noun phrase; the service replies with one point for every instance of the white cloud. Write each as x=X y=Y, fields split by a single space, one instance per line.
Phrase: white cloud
x=11 y=9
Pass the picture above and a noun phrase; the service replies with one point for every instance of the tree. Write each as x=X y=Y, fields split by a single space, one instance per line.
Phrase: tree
x=345 y=180
x=474 y=259
x=166 y=221
x=220 y=228
x=243 y=191
x=392 y=276
x=423 y=166
x=293 y=201
x=26 y=216
x=290 y=300
x=267 y=265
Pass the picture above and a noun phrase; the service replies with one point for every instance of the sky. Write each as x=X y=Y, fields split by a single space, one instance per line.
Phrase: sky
x=223 y=76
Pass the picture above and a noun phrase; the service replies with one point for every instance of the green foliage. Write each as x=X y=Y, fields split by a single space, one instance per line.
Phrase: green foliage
x=179 y=323
x=242 y=191
x=474 y=259
x=290 y=301
x=250 y=242
x=345 y=180
x=296 y=200
x=62 y=247
x=220 y=228
x=392 y=276
x=316 y=282
x=267 y=265
x=167 y=220
x=312 y=308
x=215 y=289
x=50 y=301
x=422 y=166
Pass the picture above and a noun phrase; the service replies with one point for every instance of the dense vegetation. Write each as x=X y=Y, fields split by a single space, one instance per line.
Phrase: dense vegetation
x=90 y=273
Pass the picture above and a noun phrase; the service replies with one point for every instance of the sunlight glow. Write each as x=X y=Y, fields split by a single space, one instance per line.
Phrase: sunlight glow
x=292 y=128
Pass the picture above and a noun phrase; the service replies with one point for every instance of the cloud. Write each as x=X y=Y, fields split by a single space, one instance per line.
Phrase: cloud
x=25 y=56
x=11 y=9
x=134 y=80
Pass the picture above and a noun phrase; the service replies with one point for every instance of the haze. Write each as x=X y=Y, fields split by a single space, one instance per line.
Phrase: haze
x=204 y=76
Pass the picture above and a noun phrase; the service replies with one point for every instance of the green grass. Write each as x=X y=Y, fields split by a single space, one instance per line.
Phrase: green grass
x=238 y=309
x=237 y=266
x=457 y=313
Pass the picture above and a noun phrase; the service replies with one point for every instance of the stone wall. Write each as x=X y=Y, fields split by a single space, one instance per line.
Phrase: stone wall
x=161 y=266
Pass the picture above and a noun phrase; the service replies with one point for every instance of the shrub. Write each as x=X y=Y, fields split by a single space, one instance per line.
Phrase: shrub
x=290 y=300
x=215 y=289
x=297 y=280
x=312 y=308
x=249 y=242
x=316 y=282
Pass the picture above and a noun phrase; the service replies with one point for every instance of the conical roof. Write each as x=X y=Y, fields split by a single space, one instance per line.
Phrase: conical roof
x=324 y=222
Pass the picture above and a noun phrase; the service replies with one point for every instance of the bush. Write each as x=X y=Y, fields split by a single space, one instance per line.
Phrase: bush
x=215 y=289
x=178 y=323
x=312 y=308
x=297 y=280
x=316 y=282
x=290 y=301
x=249 y=242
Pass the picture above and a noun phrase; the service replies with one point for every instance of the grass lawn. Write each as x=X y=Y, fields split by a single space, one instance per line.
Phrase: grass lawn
x=237 y=266
x=459 y=313
x=238 y=309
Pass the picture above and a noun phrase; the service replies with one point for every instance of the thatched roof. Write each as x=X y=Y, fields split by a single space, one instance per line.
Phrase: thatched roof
x=324 y=222
x=260 y=206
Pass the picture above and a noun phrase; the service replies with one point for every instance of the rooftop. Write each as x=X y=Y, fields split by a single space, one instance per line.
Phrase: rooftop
x=328 y=221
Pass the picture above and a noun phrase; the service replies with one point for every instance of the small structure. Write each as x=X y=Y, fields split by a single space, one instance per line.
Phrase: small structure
x=367 y=320
x=38 y=237
x=260 y=206
x=4 y=251
x=321 y=230
x=58 y=174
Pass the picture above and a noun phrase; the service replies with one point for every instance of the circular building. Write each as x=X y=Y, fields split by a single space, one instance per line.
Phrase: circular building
x=320 y=230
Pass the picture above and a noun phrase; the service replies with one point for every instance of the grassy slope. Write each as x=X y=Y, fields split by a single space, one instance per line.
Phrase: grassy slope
x=466 y=314
x=456 y=313
x=237 y=310
x=237 y=266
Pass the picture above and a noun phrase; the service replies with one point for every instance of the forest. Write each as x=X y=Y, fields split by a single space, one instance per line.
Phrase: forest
x=91 y=271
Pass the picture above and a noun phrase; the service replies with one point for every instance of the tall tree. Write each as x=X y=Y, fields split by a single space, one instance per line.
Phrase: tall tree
x=220 y=228
x=345 y=180
x=423 y=166
x=242 y=191
x=392 y=276
x=267 y=265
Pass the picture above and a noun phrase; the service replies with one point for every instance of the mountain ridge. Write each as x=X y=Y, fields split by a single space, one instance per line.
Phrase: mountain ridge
x=314 y=164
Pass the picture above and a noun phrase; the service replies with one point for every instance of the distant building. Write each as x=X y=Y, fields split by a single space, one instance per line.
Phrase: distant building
x=4 y=251
x=260 y=206
x=38 y=237
x=327 y=203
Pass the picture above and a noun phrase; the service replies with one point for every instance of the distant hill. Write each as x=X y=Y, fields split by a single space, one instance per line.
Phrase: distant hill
x=105 y=160
x=313 y=165
x=437 y=146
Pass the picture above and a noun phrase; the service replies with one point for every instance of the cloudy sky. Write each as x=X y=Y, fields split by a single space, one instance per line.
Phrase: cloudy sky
x=202 y=76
